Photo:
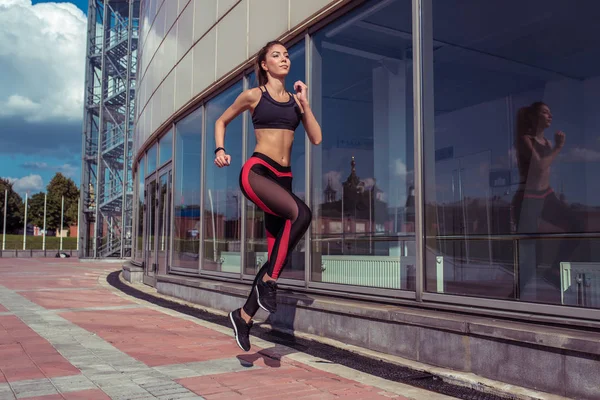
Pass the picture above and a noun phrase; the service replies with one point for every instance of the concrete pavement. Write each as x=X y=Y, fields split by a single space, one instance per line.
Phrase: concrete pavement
x=66 y=334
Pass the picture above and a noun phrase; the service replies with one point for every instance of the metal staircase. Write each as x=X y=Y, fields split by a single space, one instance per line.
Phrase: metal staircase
x=107 y=184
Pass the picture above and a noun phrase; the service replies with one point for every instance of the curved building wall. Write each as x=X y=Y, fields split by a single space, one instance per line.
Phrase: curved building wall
x=418 y=193
x=417 y=189
x=187 y=45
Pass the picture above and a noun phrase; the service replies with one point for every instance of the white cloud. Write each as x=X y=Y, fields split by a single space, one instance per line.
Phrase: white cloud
x=69 y=170
x=400 y=167
x=19 y=105
x=66 y=169
x=6 y=3
x=35 y=165
x=29 y=183
x=573 y=154
x=579 y=154
x=42 y=58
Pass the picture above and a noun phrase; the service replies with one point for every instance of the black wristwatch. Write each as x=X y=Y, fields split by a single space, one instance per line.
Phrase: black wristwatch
x=219 y=149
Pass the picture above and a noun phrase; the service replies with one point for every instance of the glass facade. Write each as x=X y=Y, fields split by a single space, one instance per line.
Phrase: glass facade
x=152 y=158
x=362 y=174
x=140 y=206
x=445 y=171
x=504 y=218
x=221 y=224
x=165 y=148
x=186 y=192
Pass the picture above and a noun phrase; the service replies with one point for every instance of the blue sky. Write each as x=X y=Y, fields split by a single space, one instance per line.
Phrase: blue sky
x=41 y=90
x=82 y=4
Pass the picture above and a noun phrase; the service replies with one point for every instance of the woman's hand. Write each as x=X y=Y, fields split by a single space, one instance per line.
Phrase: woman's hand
x=222 y=159
x=301 y=92
x=559 y=139
x=312 y=127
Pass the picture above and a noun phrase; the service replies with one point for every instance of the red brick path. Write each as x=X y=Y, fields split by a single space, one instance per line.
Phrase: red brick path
x=150 y=336
x=25 y=355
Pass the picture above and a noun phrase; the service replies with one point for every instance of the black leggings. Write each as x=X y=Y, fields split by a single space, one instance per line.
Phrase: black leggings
x=532 y=205
x=269 y=185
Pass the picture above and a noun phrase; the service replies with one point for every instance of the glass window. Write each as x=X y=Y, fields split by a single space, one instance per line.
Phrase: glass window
x=222 y=195
x=186 y=193
x=362 y=173
x=139 y=248
x=504 y=216
x=165 y=151
x=151 y=157
x=256 y=252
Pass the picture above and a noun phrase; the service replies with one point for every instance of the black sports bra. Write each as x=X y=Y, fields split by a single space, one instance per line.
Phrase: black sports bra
x=272 y=114
x=524 y=156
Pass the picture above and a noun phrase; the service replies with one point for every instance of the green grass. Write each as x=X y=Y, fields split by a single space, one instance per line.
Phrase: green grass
x=15 y=242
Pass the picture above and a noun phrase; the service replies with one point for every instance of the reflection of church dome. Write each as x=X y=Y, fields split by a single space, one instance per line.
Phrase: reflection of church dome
x=352 y=181
x=356 y=200
x=330 y=193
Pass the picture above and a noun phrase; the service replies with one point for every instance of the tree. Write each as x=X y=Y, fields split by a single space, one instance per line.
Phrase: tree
x=14 y=209
x=61 y=186
x=71 y=212
x=35 y=215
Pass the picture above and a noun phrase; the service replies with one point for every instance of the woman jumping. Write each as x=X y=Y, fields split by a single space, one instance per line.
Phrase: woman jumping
x=535 y=200
x=266 y=178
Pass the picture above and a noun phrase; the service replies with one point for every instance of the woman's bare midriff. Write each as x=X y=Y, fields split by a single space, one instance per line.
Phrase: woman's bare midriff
x=276 y=144
x=538 y=180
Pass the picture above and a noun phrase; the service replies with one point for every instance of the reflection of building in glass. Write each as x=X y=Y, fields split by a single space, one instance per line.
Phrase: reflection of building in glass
x=358 y=210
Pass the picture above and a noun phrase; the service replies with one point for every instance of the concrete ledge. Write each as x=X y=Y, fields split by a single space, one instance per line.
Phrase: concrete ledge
x=8 y=253
x=35 y=253
x=133 y=273
x=553 y=359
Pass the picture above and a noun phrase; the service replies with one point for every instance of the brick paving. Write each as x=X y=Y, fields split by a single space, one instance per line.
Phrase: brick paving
x=24 y=355
x=74 y=299
x=65 y=335
x=82 y=395
x=296 y=381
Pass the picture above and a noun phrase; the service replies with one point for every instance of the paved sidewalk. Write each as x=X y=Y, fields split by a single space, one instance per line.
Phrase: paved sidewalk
x=65 y=334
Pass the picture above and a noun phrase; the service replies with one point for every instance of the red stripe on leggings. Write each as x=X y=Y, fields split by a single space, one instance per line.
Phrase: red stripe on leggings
x=283 y=249
x=270 y=243
x=538 y=195
x=245 y=173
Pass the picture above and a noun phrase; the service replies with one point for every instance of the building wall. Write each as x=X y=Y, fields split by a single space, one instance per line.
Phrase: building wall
x=479 y=66
x=187 y=45
x=359 y=181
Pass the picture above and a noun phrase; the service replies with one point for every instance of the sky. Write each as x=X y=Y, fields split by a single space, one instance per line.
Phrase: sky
x=42 y=64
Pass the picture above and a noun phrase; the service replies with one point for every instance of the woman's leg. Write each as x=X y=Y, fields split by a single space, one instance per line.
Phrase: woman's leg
x=560 y=215
x=268 y=185
x=528 y=210
x=273 y=225
x=287 y=220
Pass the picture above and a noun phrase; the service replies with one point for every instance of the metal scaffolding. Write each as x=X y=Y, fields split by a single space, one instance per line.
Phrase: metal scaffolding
x=106 y=177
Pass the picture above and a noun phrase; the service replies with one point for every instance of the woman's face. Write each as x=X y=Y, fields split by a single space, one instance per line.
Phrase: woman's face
x=545 y=117
x=277 y=61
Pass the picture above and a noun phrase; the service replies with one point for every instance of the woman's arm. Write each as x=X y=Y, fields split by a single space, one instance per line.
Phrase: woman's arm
x=243 y=102
x=543 y=162
x=312 y=127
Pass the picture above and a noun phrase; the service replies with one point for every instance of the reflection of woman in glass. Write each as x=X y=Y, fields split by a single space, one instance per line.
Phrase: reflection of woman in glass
x=266 y=178
x=535 y=198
